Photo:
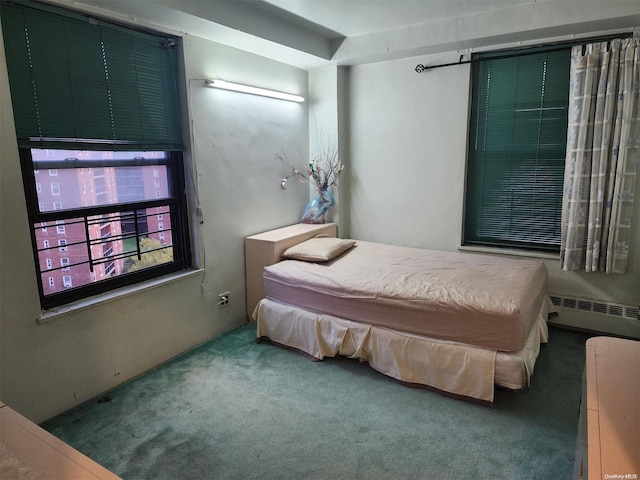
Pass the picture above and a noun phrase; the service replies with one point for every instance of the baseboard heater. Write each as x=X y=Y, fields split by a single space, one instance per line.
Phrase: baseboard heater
x=604 y=308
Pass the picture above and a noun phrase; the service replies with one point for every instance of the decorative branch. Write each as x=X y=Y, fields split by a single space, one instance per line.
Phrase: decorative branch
x=323 y=170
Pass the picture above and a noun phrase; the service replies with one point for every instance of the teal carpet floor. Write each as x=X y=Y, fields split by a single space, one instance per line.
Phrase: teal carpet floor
x=235 y=409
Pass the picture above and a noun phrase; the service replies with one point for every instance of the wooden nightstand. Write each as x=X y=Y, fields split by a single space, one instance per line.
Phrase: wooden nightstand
x=266 y=248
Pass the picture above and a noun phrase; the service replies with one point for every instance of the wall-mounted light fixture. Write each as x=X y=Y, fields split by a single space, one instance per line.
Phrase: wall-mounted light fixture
x=236 y=87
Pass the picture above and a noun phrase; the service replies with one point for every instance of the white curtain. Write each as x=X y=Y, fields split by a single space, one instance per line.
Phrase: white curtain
x=603 y=152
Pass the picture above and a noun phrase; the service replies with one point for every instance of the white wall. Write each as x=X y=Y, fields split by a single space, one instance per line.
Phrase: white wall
x=235 y=140
x=46 y=369
x=329 y=130
x=407 y=157
x=405 y=140
x=408 y=142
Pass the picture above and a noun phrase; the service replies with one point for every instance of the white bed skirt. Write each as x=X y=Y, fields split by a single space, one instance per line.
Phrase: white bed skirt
x=454 y=368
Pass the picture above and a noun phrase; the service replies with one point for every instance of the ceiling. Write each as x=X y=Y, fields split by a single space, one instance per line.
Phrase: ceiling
x=315 y=33
x=359 y=17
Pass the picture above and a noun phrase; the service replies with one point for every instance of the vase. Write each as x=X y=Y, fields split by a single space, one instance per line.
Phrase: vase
x=317 y=208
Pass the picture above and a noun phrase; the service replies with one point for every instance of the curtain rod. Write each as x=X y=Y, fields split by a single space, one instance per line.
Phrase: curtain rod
x=523 y=51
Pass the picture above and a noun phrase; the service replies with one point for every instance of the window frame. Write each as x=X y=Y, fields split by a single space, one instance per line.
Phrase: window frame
x=176 y=201
x=474 y=239
x=80 y=82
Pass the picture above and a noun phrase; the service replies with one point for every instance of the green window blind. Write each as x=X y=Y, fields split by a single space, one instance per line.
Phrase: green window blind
x=517 y=142
x=77 y=82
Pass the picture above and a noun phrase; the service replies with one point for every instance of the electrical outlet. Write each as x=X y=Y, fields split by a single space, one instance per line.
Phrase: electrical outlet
x=224 y=299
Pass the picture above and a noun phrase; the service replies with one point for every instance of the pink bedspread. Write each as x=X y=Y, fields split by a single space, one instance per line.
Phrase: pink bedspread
x=480 y=300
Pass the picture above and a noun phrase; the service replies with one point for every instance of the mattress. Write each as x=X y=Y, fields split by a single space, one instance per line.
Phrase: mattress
x=489 y=302
x=449 y=367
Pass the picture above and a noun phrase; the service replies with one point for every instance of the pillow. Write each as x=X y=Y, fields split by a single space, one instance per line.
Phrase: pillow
x=319 y=249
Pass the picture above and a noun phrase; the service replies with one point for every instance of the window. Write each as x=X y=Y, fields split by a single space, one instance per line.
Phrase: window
x=45 y=243
x=517 y=142
x=110 y=269
x=99 y=112
x=49 y=264
x=52 y=282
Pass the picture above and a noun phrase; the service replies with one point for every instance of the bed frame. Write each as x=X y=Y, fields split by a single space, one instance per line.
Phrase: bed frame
x=454 y=369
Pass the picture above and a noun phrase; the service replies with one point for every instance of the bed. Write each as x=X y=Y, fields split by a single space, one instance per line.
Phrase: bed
x=459 y=323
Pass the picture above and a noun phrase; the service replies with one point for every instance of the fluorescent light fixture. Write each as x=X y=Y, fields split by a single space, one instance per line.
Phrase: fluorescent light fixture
x=236 y=87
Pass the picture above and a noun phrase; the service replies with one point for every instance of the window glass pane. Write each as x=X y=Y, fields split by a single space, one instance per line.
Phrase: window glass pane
x=118 y=243
x=90 y=178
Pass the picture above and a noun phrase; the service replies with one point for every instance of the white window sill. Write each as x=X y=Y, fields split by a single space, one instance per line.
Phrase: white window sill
x=57 y=312
x=510 y=252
